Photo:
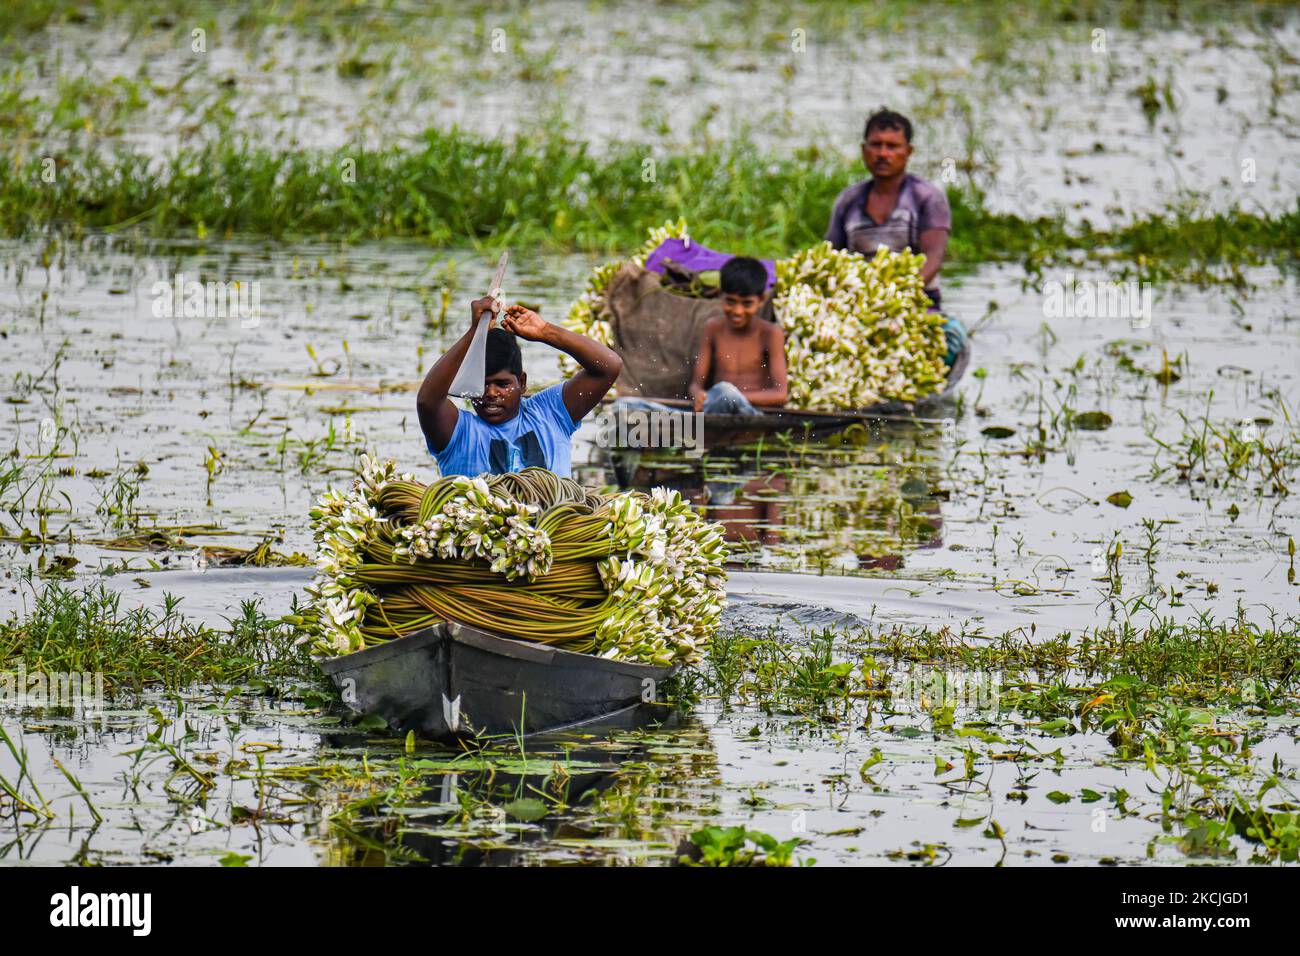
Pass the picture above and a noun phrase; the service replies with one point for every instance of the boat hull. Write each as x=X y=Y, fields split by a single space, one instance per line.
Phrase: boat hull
x=452 y=680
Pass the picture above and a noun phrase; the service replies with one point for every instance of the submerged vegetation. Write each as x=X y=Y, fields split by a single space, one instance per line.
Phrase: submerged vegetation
x=1203 y=661
x=1191 y=703
x=1256 y=454
x=1180 y=715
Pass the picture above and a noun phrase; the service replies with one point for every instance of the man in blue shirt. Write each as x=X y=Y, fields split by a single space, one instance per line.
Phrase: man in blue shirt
x=509 y=432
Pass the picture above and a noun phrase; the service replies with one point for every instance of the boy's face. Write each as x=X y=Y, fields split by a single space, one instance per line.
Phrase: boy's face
x=741 y=309
x=502 y=392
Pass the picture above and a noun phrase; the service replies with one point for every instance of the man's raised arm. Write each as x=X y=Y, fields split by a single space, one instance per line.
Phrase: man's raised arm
x=437 y=413
x=600 y=364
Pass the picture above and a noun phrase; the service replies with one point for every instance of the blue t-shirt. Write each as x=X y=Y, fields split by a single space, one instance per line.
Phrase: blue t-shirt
x=539 y=435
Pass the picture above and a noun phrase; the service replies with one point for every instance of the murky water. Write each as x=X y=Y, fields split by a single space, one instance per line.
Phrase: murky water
x=287 y=785
x=929 y=523
x=102 y=384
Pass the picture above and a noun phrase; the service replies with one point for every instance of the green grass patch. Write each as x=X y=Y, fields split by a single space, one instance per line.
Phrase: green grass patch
x=456 y=188
x=87 y=631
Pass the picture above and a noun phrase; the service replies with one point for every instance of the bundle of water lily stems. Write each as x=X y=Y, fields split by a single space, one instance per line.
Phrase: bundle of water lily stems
x=632 y=576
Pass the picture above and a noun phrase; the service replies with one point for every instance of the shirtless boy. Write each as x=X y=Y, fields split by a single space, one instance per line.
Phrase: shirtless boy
x=741 y=365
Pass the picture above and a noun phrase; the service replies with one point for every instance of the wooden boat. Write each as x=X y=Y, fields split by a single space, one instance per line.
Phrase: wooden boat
x=731 y=429
x=452 y=680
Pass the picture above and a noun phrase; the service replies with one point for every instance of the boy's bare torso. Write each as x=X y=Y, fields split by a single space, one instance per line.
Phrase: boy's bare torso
x=741 y=358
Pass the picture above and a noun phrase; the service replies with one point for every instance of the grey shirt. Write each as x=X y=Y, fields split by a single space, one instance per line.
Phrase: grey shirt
x=921 y=205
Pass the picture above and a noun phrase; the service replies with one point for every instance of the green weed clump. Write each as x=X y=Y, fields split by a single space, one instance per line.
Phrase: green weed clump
x=737 y=846
x=88 y=631
x=456 y=188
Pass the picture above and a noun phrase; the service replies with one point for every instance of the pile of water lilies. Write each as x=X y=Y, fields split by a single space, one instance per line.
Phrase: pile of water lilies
x=858 y=330
x=631 y=576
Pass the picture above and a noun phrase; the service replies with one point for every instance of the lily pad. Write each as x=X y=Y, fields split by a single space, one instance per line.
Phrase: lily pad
x=1056 y=796
x=1093 y=421
x=1120 y=499
x=997 y=431
x=1059 y=727
x=526 y=809
x=914 y=488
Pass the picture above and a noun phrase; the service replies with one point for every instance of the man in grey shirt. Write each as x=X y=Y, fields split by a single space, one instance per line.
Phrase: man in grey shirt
x=893 y=208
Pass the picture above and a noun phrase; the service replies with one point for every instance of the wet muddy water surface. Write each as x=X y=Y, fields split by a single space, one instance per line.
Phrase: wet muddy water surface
x=153 y=442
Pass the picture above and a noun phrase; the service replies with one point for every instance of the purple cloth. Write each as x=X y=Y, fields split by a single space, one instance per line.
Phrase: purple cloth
x=697 y=258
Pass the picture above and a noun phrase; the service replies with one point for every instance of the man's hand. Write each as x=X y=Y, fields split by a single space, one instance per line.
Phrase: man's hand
x=934 y=246
x=479 y=306
x=699 y=401
x=525 y=323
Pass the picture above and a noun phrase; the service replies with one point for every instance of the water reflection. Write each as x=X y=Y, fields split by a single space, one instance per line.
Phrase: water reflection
x=622 y=796
x=859 y=498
